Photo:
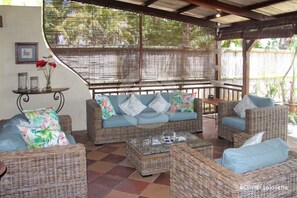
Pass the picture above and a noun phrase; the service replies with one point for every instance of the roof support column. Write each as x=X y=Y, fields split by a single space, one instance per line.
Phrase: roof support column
x=218 y=62
x=247 y=45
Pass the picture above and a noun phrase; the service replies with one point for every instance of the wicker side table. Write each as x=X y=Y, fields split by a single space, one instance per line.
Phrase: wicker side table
x=157 y=162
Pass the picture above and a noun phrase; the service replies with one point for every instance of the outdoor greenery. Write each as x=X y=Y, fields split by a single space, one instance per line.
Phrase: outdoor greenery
x=84 y=24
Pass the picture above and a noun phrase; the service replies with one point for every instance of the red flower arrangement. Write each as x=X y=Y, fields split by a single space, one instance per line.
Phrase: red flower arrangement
x=48 y=68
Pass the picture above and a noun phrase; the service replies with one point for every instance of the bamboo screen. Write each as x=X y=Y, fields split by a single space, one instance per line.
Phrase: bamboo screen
x=105 y=45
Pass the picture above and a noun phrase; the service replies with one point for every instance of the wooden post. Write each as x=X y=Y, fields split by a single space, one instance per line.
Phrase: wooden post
x=217 y=62
x=247 y=45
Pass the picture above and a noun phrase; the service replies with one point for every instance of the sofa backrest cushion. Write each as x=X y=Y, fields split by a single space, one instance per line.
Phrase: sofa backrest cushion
x=17 y=119
x=11 y=139
x=244 y=159
x=261 y=101
x=116 y=100
x=146 y=99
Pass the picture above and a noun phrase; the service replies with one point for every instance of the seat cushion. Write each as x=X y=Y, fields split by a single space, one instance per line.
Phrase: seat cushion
x=180 y=116
x=257 y=156
x=234 y=122
x=262 y=101
x=151 y=118
x=119 y=121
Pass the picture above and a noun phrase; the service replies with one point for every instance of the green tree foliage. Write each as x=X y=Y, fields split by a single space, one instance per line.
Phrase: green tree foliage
x=83 y=24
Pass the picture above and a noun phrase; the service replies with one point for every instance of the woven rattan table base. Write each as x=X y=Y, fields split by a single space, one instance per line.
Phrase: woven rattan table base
x=156 y=163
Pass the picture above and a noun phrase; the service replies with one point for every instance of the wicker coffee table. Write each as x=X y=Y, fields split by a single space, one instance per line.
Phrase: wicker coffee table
x=151 y=155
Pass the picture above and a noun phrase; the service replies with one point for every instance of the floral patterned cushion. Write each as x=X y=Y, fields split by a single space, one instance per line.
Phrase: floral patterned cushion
x=106 y=106
x=43 y=118
x=36 y=137
x=182 y=102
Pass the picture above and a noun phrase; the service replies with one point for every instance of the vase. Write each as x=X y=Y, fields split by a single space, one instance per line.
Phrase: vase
x=48 y=86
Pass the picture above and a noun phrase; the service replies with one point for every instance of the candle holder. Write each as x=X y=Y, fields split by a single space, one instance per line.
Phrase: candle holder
x=34 y=83
x=22 y=81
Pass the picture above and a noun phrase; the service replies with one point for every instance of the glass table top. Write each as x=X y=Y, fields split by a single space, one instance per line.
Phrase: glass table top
x=161 y=143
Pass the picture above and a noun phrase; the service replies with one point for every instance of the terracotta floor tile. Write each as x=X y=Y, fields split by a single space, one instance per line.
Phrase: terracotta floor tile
x=108 y=181
x=101 y=167
x=115 y=159
x=119 y=194
x=156 y=190
x=121 y=171
x=89 y=162
x=125 y=163
x=92 y=175
x=132 y=186
x=107 y=148
x=163 y=178
x=96 y=191
x=120 y=151
x=96 y=155
x=121 y=144
x=135 y=175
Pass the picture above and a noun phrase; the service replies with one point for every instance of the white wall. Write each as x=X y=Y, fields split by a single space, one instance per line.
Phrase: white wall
x=23 y=24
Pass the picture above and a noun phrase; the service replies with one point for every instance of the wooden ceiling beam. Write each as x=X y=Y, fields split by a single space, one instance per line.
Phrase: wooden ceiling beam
x=150 y=11
x=186 y=8
x=289 y=20
x=218 y=5
x=250 y=7
x=149 y=2
x=285 y=33
x=263 y=4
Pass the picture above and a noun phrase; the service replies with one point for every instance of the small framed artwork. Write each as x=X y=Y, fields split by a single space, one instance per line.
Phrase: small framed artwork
x=26 y=53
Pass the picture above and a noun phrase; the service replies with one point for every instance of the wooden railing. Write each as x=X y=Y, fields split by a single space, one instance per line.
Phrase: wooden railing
x=201 y=89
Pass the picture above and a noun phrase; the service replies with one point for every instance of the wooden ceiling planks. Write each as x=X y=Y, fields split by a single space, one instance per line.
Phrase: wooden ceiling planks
x=237 y=16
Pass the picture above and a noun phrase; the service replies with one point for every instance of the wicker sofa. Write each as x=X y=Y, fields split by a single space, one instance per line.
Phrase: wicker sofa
x=58 y=171
x=193 y=175
x=101 y=135
x=273 y=120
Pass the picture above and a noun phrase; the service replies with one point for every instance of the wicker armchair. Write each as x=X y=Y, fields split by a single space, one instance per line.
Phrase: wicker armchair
x=193 y=175
x=58 y=171
x=273 y=120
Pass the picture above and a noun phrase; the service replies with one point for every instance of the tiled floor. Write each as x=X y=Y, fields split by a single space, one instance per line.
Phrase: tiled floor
x=111 y=176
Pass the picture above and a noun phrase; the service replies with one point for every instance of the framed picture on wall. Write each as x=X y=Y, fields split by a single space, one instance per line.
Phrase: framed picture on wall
x=26 y=53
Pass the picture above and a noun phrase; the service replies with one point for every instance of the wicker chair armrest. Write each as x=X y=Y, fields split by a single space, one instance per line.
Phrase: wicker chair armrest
x=66 y=123
x=226 y=109
x=273 y=120
x=58 y=171
x=192 y=173
x=240 y=138
x=94 y=114
x=198 y=107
